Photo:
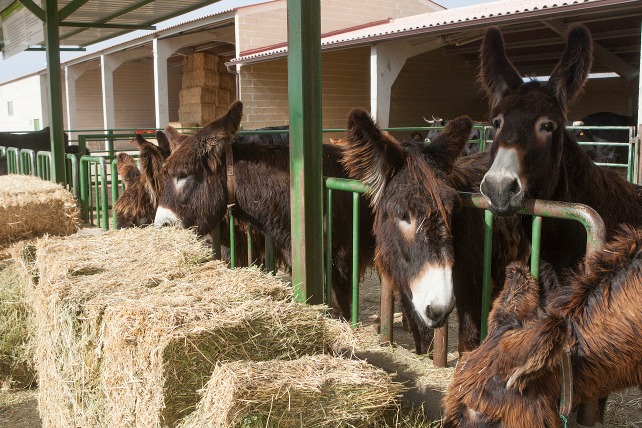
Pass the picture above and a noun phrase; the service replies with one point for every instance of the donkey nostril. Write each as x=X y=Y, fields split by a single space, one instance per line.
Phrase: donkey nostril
x=429 y=312
x=515 y=187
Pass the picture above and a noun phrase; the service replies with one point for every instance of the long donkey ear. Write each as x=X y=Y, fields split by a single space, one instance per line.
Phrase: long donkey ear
x=371 y=155
x=542 y=342
x=163 y=144
x=151 y=166
x=570 y=74
x=218 y=133
x=496 y=72
x=518 y=301
x=127 y=169
x=452 y=139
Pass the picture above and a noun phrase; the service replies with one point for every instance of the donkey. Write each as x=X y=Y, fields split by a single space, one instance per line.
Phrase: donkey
x=196 y=193
x=535 y=156
x=136 y=206
x=592 y=321
x=429 y=246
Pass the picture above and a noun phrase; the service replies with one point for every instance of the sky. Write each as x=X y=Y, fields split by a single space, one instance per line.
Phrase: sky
x=30 y=62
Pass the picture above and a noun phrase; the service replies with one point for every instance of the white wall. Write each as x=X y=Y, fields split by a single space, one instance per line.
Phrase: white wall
x=24 y=94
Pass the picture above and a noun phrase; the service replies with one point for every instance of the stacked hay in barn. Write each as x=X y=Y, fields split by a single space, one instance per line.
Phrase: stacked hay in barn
x=30 y=206
x=207 y=88
x=132 y=323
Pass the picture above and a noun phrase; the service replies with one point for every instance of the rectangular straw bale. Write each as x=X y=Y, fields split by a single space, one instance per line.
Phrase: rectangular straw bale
x=201 y=61
x=205 y=78
x=30 y=206
x=131 y=322
x=197 y=95
x=313 y=391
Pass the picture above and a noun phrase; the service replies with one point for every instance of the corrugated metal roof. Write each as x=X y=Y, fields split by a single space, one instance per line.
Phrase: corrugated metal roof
x=119 y=12
x=439 y=22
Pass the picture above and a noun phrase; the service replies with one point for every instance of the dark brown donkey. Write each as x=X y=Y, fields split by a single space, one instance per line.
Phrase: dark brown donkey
x=136 y=206
x=196 y=193
x=534 y=156
x=428 y=245
x=513 y=380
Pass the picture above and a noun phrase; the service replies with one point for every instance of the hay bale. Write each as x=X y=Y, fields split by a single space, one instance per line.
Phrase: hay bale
x=313 y=391
x=201 y=77
x=16 y=362
x=30 y=206
x=201 y=61
x=126 y=338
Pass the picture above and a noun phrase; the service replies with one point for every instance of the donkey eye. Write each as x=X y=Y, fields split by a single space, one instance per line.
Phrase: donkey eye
x=497 y=122
x=548 y=126
x=405 y=217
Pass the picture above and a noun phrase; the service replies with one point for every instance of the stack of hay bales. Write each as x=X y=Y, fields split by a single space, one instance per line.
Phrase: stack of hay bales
x=30 y=206
x=132 y=323
x=207 y=88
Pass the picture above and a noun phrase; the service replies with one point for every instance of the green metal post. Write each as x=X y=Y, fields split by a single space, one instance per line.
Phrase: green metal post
x=103 y=193
x=488 y=259
x=13 y=160
x=536 y=237
x=84 y=188
x=270 y=255
x=52 y=43
x=328 y=249
x=306 y=201
x=73 y=161
x=355 y=259
x=114 y=190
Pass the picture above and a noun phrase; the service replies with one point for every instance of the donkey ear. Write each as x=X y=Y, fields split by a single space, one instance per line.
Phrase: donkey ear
x=370 y=155
x=151 y=165
x=224 y=128
x=163 y=144
x=452 y=139
x=496 y=72
x=518 y=301
x=127 y=169
x=570 y=74
x=542 y=343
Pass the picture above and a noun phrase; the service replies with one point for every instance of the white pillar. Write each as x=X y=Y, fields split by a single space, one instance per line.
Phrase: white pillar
x=386 y=62
x=44 y=99
x=108 y=64
x=163 y=49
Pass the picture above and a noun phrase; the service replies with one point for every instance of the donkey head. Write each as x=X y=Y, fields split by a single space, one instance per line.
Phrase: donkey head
x=137 y=204
x=413 y=202
x=512 y=380
x=529 y=119
x=195 y=188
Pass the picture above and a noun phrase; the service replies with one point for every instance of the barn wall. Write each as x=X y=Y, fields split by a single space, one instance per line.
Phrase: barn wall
x=345 y=84
x=174 y=81
x=89 y=100
x=134 y=95
x=265 y=25
x=24 y=95
x=601 y=95
x=432 y=84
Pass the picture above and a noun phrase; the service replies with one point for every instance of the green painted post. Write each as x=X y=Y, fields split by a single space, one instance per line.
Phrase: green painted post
x=84 y=189
x=73 y=161
x=536 y=237
x=232 y=239
x=355 y=259
x=306 y=201
x=52 y=43
x=114 y=190
x=270 y=255
x=328 y=249
x=488 y=259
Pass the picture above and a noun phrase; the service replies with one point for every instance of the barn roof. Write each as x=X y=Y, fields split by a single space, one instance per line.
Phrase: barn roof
x=534 y=26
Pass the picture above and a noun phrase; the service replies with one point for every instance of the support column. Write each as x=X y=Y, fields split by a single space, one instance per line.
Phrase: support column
x=107 y=66
x=44 y=99
x=52 y=42
x=306 y=201
x=386 y=62
x=162 y=51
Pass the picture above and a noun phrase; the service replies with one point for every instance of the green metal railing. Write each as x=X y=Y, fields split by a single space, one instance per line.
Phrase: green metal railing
x=13 y=160
x=43 y=165
x=93 y=190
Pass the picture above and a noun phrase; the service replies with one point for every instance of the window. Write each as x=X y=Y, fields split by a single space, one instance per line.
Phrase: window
x=10 y=108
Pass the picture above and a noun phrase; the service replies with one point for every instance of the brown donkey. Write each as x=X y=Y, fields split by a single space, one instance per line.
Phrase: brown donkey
x=196 y=193
x=534 y=156
x=136 y=206
x=513 y=379
x=427 y=244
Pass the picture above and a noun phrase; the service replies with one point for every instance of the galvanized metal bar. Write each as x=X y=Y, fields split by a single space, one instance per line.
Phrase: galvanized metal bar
x=536 y=243
x=52 y=42
x=355 y=259
x=488 y=260
x=232 y=239
x=270 y=254
x=108 y=26
x=250 y=259
x=306 y=201
x=328 y=248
